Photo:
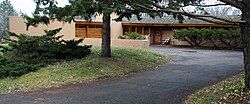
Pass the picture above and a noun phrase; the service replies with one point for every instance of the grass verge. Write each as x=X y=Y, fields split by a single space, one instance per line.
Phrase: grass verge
x=93 y=67
x=219 y=92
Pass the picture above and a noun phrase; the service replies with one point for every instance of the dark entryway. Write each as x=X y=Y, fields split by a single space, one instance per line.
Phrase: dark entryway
x=157 y=36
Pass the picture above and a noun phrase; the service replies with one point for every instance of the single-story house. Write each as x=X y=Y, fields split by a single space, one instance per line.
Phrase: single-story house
x=157 y=29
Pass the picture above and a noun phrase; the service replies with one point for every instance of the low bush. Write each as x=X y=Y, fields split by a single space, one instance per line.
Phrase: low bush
x=196 y=37
x=91 y=68
x=192 y=35
x=231 y=37
x=4 y=48
x=29 y=53
x=133 y=35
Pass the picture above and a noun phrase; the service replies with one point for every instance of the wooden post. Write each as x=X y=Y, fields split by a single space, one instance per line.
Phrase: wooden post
x=149 y=31
x=129 y=29
x=87 y=31
x=151 y=38
x=142 y=31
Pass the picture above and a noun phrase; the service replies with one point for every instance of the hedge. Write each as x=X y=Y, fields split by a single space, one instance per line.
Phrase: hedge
x=197 y=37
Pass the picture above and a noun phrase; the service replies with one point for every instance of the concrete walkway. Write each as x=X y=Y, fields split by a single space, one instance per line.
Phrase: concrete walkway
x=168 y=84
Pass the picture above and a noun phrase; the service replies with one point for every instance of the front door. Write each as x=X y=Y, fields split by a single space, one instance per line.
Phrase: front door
x=157 y=36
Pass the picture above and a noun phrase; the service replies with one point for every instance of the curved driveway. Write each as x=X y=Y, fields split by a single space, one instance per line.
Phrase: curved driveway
x=188 y=71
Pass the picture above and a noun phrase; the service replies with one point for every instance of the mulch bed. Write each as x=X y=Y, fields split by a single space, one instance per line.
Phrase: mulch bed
x=236 y=99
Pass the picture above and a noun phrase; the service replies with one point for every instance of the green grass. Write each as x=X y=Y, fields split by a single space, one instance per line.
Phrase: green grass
x=211 y=94
x=93 y=67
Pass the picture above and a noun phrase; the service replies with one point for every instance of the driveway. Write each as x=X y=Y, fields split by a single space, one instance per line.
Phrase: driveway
x=189 y=70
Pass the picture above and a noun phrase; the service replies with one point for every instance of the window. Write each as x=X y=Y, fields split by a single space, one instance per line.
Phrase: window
x=132 y=29
x=139 y=30
x=126 y=29
x=146 y=30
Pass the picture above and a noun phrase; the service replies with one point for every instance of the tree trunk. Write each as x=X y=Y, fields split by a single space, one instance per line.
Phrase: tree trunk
x=245 y=29
x=213 y=42
x=106 y=50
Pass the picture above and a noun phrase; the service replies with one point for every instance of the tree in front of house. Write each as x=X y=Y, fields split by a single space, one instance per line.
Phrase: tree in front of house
x=47 y=10
x=6 y=10
x=175 y=7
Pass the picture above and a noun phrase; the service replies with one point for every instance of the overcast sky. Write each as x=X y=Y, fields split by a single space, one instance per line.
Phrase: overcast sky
x=28 y=6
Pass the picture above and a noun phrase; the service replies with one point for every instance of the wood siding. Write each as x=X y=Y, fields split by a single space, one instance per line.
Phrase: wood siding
x=94 y=32
x=81 y=32
x=88 y=31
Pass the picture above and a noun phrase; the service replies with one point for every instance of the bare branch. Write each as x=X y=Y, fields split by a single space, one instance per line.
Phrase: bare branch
x=211 y=21
x=193 y=15
x=210 y=16
x=200 y=17
x=204 y=5
x=232 y=3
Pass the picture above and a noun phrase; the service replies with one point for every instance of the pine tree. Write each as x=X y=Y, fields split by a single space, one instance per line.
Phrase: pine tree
x=47 y=10
x=6 y=10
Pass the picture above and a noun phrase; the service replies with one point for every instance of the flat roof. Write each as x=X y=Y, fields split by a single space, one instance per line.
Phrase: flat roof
x=175 y=25
x=87 y=23
x=156 y=24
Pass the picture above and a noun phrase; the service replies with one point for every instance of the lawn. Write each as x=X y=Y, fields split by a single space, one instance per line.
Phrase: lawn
x=93 y=67
x=223 y=92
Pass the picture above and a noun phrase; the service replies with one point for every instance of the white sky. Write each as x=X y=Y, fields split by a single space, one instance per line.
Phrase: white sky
x=28 y=6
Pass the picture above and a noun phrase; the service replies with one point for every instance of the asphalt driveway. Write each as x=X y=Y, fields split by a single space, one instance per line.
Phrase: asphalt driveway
x=189 y=70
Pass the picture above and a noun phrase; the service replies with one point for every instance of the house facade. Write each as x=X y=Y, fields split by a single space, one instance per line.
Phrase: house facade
x=157 y=30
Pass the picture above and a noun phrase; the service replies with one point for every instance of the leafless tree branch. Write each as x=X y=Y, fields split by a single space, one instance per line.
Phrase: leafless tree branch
x=200 y=17
x=204 y=5
x=233 y=3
